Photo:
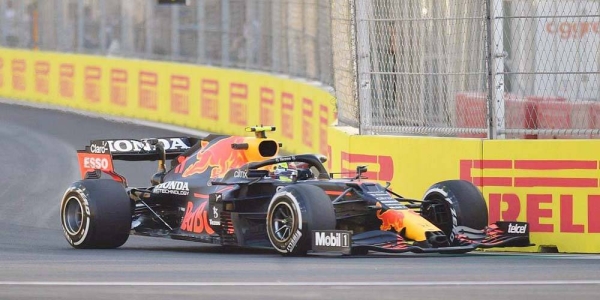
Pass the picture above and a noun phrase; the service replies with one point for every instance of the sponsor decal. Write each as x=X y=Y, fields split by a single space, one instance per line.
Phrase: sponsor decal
x=287 y=115
x=516 y=228
x=19 y=68
x=294 y=240
x=66 y=80
x=240 y=174
x=572 y=30
x=180 y=94
x=332 y=239
x=148 y=90
x=180 y=188
x=99 y=147
x=95 y=163
x=196 y=220
x=307 y=122
x=385 y=198
x=390 y=219
x=514 y=193
x=513 y=228
x=216 y=158
x=91 y=161
x=238 y=103
x=91 y=84
x=42 y=79
x=118 y=87
x=209 y=99
x=125 y=146
x=216 y=205
x=215 y=218
x=267 y=104
x=285 y=158
x=385 y=164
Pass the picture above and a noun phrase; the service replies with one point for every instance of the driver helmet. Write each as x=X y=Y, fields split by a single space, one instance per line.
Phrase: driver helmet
x=284 y=171
x=287 y=170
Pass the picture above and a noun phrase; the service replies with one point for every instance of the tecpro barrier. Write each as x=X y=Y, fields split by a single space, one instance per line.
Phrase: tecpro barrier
x=552 y=184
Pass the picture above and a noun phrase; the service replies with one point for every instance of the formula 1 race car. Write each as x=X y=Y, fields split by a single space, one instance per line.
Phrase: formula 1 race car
x=237 y=191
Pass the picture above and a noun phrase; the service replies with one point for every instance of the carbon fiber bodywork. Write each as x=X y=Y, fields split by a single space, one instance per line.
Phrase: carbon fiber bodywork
x=215 y=193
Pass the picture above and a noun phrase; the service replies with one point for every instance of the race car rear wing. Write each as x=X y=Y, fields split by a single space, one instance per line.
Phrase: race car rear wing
x=98 y=157
x=143 y=149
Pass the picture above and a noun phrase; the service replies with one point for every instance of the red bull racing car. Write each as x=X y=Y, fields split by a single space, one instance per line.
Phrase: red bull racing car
x=237 y=191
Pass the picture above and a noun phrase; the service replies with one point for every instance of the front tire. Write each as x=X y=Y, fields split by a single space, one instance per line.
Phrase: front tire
x=452 y=203
x=96 y=213
x=294 y=212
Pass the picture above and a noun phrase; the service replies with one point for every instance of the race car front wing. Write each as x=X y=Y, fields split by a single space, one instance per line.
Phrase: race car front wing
x=464 y=239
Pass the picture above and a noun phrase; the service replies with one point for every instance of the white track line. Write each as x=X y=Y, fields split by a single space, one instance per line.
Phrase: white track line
x=301 y=283
x=107 y=117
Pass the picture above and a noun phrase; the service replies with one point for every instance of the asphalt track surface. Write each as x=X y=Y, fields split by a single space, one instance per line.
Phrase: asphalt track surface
x=37 y=156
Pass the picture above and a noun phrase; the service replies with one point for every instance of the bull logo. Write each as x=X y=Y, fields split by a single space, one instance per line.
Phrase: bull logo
x=390 y=219
x=217 y=157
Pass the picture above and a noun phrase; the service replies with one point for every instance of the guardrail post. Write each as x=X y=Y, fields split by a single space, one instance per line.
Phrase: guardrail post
x=363 y=59
x=495 y=65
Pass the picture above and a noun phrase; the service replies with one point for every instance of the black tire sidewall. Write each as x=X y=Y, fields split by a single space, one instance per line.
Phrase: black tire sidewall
x=106 y=214
x=465 y=203
x=289 y=245
x=78 y=238
x=312 y=210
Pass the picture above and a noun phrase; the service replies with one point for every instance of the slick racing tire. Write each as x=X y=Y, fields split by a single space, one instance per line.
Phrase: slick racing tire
x=453 y=203
x=96 y=213
x=293 y=213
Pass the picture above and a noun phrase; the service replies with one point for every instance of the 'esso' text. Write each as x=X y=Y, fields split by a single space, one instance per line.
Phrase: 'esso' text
x=95 y=163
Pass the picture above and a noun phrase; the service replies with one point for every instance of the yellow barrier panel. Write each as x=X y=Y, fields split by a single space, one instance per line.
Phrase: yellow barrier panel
x=411 y=164
x=552 y=184
x=213 y=99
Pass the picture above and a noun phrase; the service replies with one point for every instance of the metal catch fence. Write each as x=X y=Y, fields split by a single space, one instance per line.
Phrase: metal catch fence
x=289 y=37
x=471 y=68
x=467 y=68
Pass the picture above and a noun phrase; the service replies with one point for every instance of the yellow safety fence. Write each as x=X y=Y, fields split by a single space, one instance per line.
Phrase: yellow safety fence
x=213 y=99
x=552 y=184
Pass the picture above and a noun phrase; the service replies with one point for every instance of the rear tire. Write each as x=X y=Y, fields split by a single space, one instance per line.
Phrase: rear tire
x=96 y=213
x=453 y=203
x=294 y=212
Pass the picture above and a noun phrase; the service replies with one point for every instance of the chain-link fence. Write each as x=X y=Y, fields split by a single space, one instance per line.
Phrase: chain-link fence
x=547 y=63
x=473 y=68
x=436 y=67
x=291 y=37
